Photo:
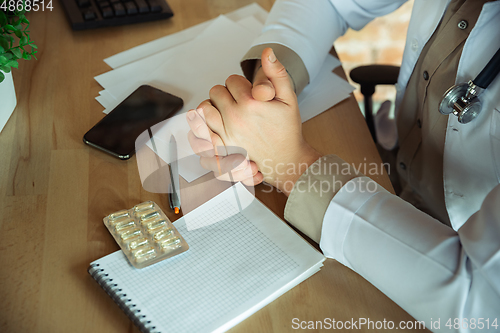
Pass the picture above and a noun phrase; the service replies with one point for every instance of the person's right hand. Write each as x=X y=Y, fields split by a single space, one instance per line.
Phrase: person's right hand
x=205 y=142
x=209 y=145
x=269 y=131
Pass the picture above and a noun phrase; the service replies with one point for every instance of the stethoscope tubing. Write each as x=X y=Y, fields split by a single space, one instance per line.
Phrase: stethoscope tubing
x=489 y=72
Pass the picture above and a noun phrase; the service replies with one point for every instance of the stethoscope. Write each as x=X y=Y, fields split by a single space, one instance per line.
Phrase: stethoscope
x=462 y=99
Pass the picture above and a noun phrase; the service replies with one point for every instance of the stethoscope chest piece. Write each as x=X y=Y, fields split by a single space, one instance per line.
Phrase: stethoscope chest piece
x=462 y=101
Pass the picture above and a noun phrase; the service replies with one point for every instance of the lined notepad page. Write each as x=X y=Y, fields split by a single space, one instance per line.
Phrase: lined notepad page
x=238 y=262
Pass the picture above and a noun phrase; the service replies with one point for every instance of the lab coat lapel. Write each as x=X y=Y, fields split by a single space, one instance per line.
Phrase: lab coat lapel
x=470 y=149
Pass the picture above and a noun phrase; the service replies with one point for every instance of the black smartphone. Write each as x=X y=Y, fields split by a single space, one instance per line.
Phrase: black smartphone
x=117 y=132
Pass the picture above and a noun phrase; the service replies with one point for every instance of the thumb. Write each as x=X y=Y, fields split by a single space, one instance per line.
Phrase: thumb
x=262 y=89
x=278 y=76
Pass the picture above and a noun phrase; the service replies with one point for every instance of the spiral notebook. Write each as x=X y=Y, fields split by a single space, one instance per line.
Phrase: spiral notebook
x=241 y=258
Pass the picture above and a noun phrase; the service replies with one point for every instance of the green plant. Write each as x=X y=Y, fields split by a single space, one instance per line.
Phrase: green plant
x=15 y=41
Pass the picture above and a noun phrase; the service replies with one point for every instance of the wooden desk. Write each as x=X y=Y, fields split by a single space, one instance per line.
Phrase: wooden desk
x=55 y=190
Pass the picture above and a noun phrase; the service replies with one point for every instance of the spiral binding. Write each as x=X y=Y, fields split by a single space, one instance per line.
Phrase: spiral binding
x=121 y=299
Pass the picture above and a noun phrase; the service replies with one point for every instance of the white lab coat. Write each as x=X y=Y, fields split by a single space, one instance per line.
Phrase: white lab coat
x=433 y=272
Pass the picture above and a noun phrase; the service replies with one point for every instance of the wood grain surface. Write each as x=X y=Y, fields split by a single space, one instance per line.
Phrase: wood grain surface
x=54 y=190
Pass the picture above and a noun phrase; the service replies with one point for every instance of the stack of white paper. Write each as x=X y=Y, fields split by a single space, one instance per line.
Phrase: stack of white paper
x=188 y=63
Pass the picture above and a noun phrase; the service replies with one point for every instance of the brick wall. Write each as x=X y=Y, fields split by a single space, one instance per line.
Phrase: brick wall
x=379 y=42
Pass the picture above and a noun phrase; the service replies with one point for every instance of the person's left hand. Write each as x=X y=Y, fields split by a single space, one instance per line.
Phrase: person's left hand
x=227 y=163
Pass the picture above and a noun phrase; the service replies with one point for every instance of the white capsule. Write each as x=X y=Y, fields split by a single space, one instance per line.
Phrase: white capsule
x=170 y=243
x=144 y=254
x=144 y=206
x=135 y=244
x=131 y=234
x=156 y=224
x=120 y=214
x=149 y=214
x=165 y=233
x=125 y=224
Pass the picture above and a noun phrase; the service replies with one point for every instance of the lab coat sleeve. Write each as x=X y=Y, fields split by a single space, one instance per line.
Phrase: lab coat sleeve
x=309 y=27
x=432 y=271
x=313 y=192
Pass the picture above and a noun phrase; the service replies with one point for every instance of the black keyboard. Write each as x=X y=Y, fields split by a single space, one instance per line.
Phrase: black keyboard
x=90 y=14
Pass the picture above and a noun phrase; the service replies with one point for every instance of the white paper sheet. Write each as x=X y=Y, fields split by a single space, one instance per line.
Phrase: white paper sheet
x=189 y=63
x=121 y=82
x=326 y=90
x=161 y=44
x=190 y=75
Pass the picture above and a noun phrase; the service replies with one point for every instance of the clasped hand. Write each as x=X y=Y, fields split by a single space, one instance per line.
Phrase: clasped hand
x=263 y=119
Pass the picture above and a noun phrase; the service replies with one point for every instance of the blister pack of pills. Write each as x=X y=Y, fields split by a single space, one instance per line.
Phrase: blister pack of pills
x=145 y=234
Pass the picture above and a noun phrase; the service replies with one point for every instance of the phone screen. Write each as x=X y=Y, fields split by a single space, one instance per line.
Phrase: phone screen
x=117 y=131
